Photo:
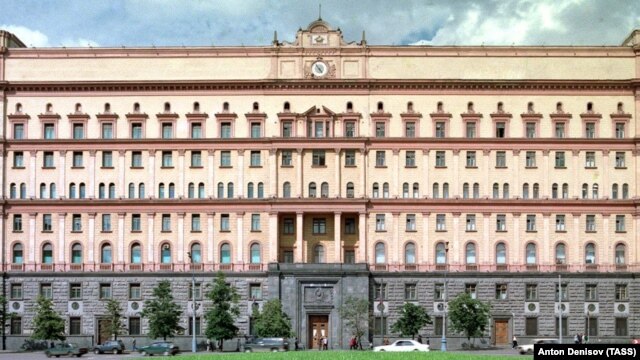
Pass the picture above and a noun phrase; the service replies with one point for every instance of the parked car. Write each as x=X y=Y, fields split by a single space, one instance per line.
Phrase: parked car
x=528 y=349
x=159 y=347
x=403 y=345
x=64 y=349
x=111 y=346
x=635 y=341
x=266 y=344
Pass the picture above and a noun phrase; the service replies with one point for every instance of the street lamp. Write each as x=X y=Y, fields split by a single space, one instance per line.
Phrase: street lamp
x=443 y=342
x=560 y=307
x=193 y=302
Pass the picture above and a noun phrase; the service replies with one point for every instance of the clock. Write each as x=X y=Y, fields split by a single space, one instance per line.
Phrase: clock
x=319 y=69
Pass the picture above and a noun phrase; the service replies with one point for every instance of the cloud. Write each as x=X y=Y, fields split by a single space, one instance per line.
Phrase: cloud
x=28 y=36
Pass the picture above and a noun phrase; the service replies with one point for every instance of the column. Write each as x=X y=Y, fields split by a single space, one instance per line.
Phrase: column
x=151 y=182
x=425 y=245
x=299 y=182
x=363 y=172
x=273 y=237
x=546 y=241
x=211 y=184
x=362 y=237
x=32 y=238
x=240 y=186
x=150 y=237
x=544 y=191
x=424 y=181
x=453 y=189
x=337 y=236
x=61 y=237
x=515 y=249
x=273 y=174
x=517 y=186
x=121 y=168
x=210 y=245
x=181 y=248
x=61 y=175
x=32 y=174
x=486 y=245
x=121 y=247
x=574 y=182
x=454 y=250
x=240 y=237
x=602 y=256
x=395 y=166
x=91 y=191
x=336 y=174
x=299 y=253
x=394 y=249
x=604 y=188
x=92 y=238
x=485 y=175
x=181 y=184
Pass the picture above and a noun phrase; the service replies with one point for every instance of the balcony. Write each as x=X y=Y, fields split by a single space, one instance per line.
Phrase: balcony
x=531 y=267
x=135 y=267
x=196 y=267
x=105 y=267
x=17 y=267
x=411 y=267
x=76 y=267
x=562 y=267
x=442 y=267
x=471 y=267
x=591 y=267
x=46 y=267
x=166 y=267
x=255 y=267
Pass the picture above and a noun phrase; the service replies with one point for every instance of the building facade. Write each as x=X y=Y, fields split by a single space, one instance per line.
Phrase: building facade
x=319 y=169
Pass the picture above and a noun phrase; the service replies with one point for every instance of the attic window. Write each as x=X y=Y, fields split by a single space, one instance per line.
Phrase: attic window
x=18 y=108
x=559 y=107
x=196 y=107
x=49 y=108
x=589 y=107
x=317 y=111
x=440 y=107
x=470 y=107
x=107 y=108
x=78 y=108
x=225 y=106
x=349 y=106
x=136 y=107
x=530 y=107
x=256 y=106
x=380 y=106
x=287 y=107
x=500 y=107
x=409 y=106
x=167 y=107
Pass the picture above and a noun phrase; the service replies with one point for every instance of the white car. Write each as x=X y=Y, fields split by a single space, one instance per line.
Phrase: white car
x=403 y=345
x=528 y=349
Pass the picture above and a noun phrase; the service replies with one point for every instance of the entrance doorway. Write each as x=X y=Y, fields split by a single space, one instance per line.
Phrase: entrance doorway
x=103 y=330
x=502 y=332
x=318 y=329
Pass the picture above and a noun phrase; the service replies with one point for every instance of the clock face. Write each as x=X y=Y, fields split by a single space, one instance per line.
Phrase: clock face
x=319 y=68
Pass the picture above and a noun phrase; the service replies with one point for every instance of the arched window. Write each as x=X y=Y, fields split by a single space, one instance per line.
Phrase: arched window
x=614 y=191
x=565 y=191
x=196 y=253
x=445 y=190
x=52 y=191
x=112 y=191
x=82 y=191
x=161 y=191
x=13 y=191
x=350 y=190
x=105 y=254
x=349 y=106
x=531 y=254
x=410 y=253
x=220 y=190
x=525 y=191
x=324 y=190
x=76 y=254
x=17 y=255
x=102 y=191
x=255 y=253
x=536 y=190
x=201 y=191
x=250 y=190
x=590 y=254
x=376 y=190
x=196 y=107
x=554 y=191
x=585 y=191
x=318 y=254
x=416 y=190
x=496 y=191
x=136 y=254
x=287 y=106
x=620 y=253
x=470 y=252
x=405 y=190
x=594 y=191
x=465 y=190
x=561 y=254
x=380 y=106
x=501 y=254
x=225 y=106
x=476 y=191
x=256 y=106
x=380 y=253
x=225 y=254
x=165 y=254
x=136 y=107
x=505 y=191
x=191 y=190
x=312 y=189
x=260 y=190
x=385 y=190
x=441 y=254
x=43 y=191
x=286 y=190
x=436 y=192
x=625 y=191
x=230 y=190
x=172 y=191
x=47 y=253
x=141 y=191
x=132 y=191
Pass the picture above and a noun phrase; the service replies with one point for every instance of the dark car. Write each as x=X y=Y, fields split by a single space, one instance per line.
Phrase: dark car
x=159 y=347
x=111 y=346
x=66 y=349
x=266 y=344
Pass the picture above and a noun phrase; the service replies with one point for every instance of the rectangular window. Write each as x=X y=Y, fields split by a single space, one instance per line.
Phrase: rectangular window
x=380 y=291
x=410 y=159
x=195 y=222
x=501 y=291
x=255 y=222
x=471 y=290
x=591 y=223
x=437 y=326
x=224 y=222
x=471 y=222
x=560 y=223
x=16 y=291
x=77 y=159
x=288 y=227
x=136 y=159
x=591 y=292
x=107 y=130
x=48 y=160
x=440 y=129
x=225 y=158
x=471 y=159
x=349 y=256
x=167 y=130
x=286 y=158
x=441 y=224
x=18 y=131
x=380 y=129
x=380 y=158
x=501 y=129
x=560 y=130
x=16 y=325
x=565 y=292
x=565 y=326
x=501 y=222
x=410 y=129
x=531 y=223
x=76 y=222
x=75 y=326
x=620 y=163
x=255 y=158
x=46 y=291
x=196 y=158
x=530 y=159
x=287 y=256
x=319 y=226
x=18 y=159
x=197 y=290
x=106 y=222
x=621 y=327
x=105 y=291
x=349 y=129
x=590 y=130
x=590 y=159
x=440 y=159
x=136 y=130
x=411 y=222
x=349 y=226
x=531 y=293
x=438 y=291
x=620 y=130
x=410 y=292
x=620 y=226
x=560 y=163
x=17 y=222
x=501 y=159
x=319 y=158
x=166 y=222
x=380 y=325
x=225 y=130
x=256 y=130
x=135 y=222
x=46 y=222
x=134 y=326
x=530 y=130
x=531 y=326
x=107 y=159
x=196 y=130
x=380 y=222
x=350 y=158
x=167 y=159
x=135 y=292
x=287 y=129
x=471 y=129
x=49 y=131
x=255 y=291
x=621 y=292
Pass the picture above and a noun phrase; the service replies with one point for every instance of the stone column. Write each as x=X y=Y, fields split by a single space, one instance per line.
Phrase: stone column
x=210 y=240
x=517 y=186
x=362 y=237
x=363 y=173
x=211 y=183
x=453 y=189
x=395 y=166
x=92 y=238
x=151 y=181
x=486 y=244
x=121 y=170
x=395 y=246
x=32 y=174
x=121 y=243
x=337 y=236
x=181 y=184
x=61 y=175
x=299 y=179
x=426 y=245
x=273 y=174
x=547 y=168
x=424 y=181
x=151 y=231
x=515 y=248
x=240 y=188
x=61 y=237
x=299 y=253
x=546 y=241
x=574 y=182
x=91 y=191
x=602 y=256
x=605 y=188
x=181 y=245
x=336 y=174
x=487 y=186
x=32 y=238
x=240 y=237
x=455 y=249
x=273 y=237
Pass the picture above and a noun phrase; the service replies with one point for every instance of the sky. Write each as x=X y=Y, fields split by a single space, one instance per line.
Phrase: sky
x=144 y=23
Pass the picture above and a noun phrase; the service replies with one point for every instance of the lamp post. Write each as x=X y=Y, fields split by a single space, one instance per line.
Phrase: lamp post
x=443 y=342
x=560 y=307
x=193 y=298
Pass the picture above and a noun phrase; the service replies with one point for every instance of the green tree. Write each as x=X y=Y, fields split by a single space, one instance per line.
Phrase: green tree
x=114 y=315
x=413 y=319
x=355 y=316
x=162 y=312
x=468 y=316
x=222 y=314
x=47 y=323
x=272 y=321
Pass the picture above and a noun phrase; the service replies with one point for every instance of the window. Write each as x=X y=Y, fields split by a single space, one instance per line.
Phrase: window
x=195 y=222
x=470 y=252
x=565 y=292
x=501 y=159
x=501 y=129
x=196 y=130
x=16 y=291
x=350 y=129
x=196 y=159
x=380 y=158
x=196 y=254
x=531 y=254
x=286 y=158
x=380 y=129
x=590 y=159
x=136 y=130
x=319 y=158
x=561 y=254
x=410 y=253
x=385 y=190
x=319 y=226
x=471 y=129
x=585 y=191
x=107 y=159
x=349 y=256
x=530 y=130
x=620 y=163
x=501 y=254
x=47 y=222
x=621 y=327
x=620 y=127
x=48 y=160
x=224 y=222
x=18 y=159
x=471 y=222
x=312 y=189
x=560 y=223
x=565 y=191
x=621 y=292
x=106 y=222
x=254 y=252
x=136 y=159
x=530 y=159
x=496 y=191
x=105 y=254
x=531 y=223
x=167 y=159
x=286 y=190
x=560 y=163
x=594 y=191
x=75 y=326
x=531 y=326
x=591 y=292
x=441 y=222
x=350 y=158
x=49 y=131
x=625 y=191
x=255 y=158
x=471 y=290
x=441 y=254
x=505 y=191
x=105 y=291
x=501 y=291
x=76 y=222
x=318 y=254
x=380 y=222
x=75 y=291
x=410 y=292
x=410 y=159
x=620 y=226
x=255 y=222
x=405 y=190
x=255 y=291
x=135 y=222
x=166 y=222
x=440 y=129
x=78 y=131
x=288 y=227
x=18 y=131
x=411 y=222
x=17 y=223
x=410 y=129
x=531 y=292
x=560 y=132
x=380 y=253
x=471 y=159
x=501 y=222
x=591 y=223
x=256 y=130
x=416 y=190
x=134 y=326
x=165 y=254
x=136 y=254
x=440 y=159
x=375 y=191
x=225 y=130
x=590 y=254
x=225 y=158
x=350 y=190
x=167 y=130
x=287 y=129
x=590 y=130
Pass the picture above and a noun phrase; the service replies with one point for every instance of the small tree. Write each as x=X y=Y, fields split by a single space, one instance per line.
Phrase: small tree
x=355 y=316
x=114 y=315
x=221 y=316
x=272 y=321
x=413 y=319
x=47 y=323
x=162 y=312
x=468 y=316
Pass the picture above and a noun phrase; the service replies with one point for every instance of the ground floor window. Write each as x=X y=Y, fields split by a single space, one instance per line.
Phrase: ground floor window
x=565 y=326
x=16 y=326
x=531 y=326
x=191 y=325
x=75 y=326
x=380 y=326
x=134 y=326
x=591 y=326
x=437 y=326
x=621 y=327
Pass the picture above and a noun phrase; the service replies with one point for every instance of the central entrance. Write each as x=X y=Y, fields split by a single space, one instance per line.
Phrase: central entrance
x=318 y=329
x=104 y=333
x=502 y=332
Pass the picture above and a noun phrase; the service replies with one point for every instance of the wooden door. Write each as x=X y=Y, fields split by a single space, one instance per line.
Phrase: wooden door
x=103 y=330
x=502 y=332
x=318 y=328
